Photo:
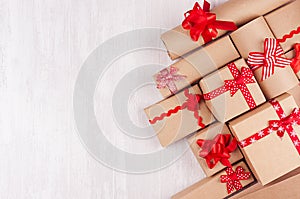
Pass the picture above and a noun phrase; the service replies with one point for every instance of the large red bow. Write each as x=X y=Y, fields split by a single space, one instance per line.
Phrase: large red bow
x=233 y=178
x=218 y=149
x=201 y=22
x=166 y=78
x=285 y=123
x=296 y=60
x=271 y=57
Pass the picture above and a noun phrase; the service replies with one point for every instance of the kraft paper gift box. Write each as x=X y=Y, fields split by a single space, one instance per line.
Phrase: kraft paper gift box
x=194 y=66
x=219 y=151
x=212 y=188
x=227 y=105
x=295 y=57
x=251 y=38
x=178 y=116
x=269 y=138
x=178 y=40
x=283 y=21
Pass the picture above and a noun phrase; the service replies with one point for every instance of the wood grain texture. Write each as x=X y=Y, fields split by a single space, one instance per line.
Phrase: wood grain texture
x=42 y=47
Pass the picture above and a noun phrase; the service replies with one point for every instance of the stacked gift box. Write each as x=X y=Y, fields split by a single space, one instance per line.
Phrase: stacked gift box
x=234 y=94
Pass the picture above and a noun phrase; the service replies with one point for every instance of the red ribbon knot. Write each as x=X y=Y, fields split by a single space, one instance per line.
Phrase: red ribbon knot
x=296 y=60
x=271 y=57
x=167 y=77
x=202 y=22
x=217 y=150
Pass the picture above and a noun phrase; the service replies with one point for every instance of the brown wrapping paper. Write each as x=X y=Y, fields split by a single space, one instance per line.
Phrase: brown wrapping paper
x=291 y=55
x=201 y=63
x=178 y=41
x=208 y=134
x=270 y=157
x=288 y=188
x=224 y=107
x=295 y=92
x=180 y=124
x=283 y=21
x=211 y=187
x=250 y=38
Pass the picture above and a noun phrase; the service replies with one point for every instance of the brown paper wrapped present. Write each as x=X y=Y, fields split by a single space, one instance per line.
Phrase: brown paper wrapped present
x=231 y=91
x=215 y=188
x=269 y=138
x=178 y=40
x=294 y=55
x=178 y=116
x=274 y=78
x=283 y=21
x=194 y=66
x=218 y=148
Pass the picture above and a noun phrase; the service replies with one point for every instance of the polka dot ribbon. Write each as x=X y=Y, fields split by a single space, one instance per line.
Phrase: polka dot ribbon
x=191 y=104
x=167 y=77
x=239 y=82
x=269 y=59
x=233 y=178
x=284 y=124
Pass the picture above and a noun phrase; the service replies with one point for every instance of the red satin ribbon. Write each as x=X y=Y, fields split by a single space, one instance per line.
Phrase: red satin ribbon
x=202 y=22
x=232 y=179
x=284 y=124
x=167 y=77
x=218 y=149
x=239 y=82
x=296 y=60
x=269 y=59
x=191 y=104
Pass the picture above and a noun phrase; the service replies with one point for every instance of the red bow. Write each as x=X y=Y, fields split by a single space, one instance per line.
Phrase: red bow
x=233 y=178
x=166 y=78
x=285 y=123
x=201 y=22
x=296 y=60
x=271 y=57
x=218 y=149
x=240 y=80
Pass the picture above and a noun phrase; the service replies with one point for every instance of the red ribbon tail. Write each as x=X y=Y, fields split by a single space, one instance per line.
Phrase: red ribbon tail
x=225 y=25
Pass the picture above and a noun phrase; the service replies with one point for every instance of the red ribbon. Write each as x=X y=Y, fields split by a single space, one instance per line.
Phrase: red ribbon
x=284 y=124
x=167 y=77
x=233 y=178
x=202 y=22
x=296 y=60
x=269 y=59
x=239 y=82
x=218 y=149
x=191 y=104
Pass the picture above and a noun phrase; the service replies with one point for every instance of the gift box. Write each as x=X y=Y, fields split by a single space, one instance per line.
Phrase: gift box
x=231 y=91
x=268 y=138
x=215 y=148
x=294 y=55
x=265 y=57
x=283 y=21
x=178 y=116
x=194 y=66
x=181 y=40
x=220 y=185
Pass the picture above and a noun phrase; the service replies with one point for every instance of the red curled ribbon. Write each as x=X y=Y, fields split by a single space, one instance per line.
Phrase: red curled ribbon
x=191 y=104
x=296 y=60
x=167 y=77
x=284 y=124
x=218 y=149
x=232 y=179
x=239 y=82
x=202 y=22
x=269 y=59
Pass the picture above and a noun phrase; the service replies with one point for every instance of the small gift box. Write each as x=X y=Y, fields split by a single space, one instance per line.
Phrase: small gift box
x=231 y=91
x=221 y=185
x=283 y=21
x=194 y=66
x=268 y=138
x=178 y=116
x=201 y=25
x=265 y=57
x=294 y=55
x=215 y=148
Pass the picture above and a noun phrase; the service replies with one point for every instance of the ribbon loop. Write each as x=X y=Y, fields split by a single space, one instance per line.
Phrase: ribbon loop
x=296 y=60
